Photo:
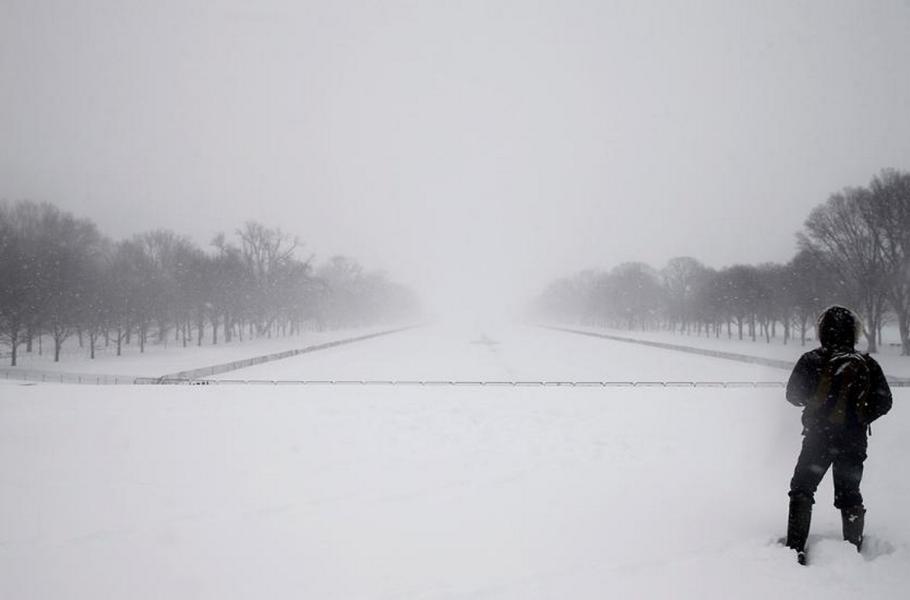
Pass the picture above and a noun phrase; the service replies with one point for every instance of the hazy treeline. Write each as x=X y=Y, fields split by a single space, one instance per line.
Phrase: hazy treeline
x=60 y=277
x=854 y=249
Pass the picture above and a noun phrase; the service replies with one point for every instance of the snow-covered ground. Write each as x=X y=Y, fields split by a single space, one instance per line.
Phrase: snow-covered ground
x=503 y=353
x=433 y=492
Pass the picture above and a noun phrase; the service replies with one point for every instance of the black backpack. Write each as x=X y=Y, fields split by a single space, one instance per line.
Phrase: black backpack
x=842 y=396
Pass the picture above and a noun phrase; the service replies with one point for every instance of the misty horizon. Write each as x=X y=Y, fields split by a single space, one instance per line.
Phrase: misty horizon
x=469 y=150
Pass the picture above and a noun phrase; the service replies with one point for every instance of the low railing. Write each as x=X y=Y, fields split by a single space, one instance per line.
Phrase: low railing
x=27 y=376
x=130 y=380
x=479 y=383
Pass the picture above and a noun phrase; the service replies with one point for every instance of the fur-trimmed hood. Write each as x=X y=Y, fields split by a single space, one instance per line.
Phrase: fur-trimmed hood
x=839 y=328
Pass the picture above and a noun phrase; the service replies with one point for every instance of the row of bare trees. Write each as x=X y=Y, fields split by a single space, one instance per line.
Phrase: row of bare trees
x=854 y=249
x=61 y=278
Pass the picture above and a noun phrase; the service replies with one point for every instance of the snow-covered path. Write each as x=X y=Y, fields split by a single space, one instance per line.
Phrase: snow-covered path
x=502 y=353
x=407 y=492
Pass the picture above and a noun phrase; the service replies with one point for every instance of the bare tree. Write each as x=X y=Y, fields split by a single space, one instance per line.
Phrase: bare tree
x=266 y=254
x=635 y=294
x=681 y=278
x=16 y=275
x=812 y=286
x=889 y=215
x=841 y=235
x=68 y=250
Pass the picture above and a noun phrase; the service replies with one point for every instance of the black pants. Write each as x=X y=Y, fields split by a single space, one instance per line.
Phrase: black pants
x=845 y=450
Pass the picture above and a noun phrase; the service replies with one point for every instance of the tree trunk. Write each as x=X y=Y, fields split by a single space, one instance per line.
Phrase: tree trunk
x=200 y=327
x=903 y=329
x=870 y=332
x=14 y=345
x=59 y=335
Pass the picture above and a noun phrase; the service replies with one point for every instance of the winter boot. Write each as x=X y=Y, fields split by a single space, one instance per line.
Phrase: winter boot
x=798 y=525
x=853 y=519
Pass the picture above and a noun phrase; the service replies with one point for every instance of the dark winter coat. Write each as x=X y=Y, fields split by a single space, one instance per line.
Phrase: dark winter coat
x=841 y=389
x=861 y=396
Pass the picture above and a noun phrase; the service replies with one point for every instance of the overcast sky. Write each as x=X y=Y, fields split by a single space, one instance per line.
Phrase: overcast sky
x=485 y=145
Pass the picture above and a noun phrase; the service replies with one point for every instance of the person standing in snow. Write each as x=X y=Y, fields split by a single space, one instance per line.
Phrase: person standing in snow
x=841 y=392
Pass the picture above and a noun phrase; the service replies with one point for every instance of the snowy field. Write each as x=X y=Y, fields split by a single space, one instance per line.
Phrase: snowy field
x=250 y=491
